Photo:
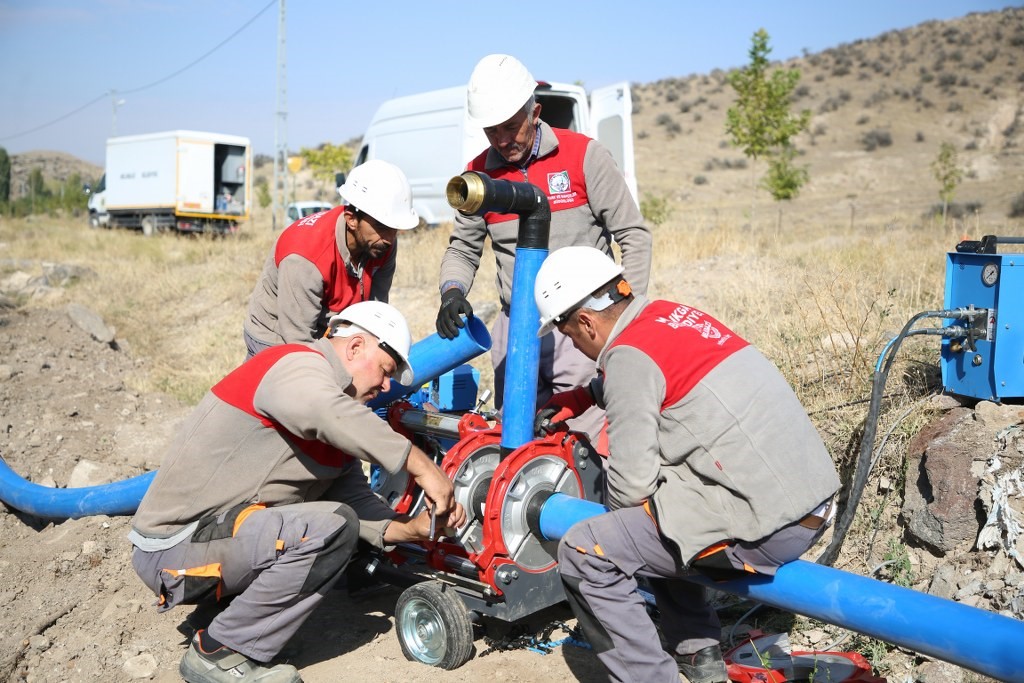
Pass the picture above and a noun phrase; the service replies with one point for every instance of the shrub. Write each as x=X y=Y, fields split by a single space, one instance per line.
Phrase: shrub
x=1017 y=206
x=876 y=138
x=700 y=180
x=919 y=137
x=864 y=118
x=655 y=208
x=956 y=210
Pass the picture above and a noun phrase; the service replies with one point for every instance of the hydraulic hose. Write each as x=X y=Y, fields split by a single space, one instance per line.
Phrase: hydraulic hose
x=862 y=467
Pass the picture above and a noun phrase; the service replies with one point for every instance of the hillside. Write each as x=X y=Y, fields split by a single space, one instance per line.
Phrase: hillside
x=880 y=109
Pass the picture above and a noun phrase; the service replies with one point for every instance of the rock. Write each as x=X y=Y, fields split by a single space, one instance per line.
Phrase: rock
x=88 y=473
x=996 y=416
x=939 y=672
x=943 y=583
x=39 y=643
x=6 y=372
x=91 y=323
x=944 y=402
x=140 y=667
x=940 y=490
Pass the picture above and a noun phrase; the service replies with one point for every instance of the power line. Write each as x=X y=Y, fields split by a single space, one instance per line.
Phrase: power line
x=150 y=85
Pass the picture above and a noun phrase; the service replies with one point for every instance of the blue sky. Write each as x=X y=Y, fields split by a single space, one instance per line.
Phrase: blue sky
x=345 y=58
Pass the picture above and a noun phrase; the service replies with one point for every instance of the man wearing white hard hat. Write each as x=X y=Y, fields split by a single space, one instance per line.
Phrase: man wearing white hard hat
x=329 y=260
x=262 y=498
x=714 y=467
x=590 y=205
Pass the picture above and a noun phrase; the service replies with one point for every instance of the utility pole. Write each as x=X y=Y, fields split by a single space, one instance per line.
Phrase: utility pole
x=281 y=123
x=114 y=104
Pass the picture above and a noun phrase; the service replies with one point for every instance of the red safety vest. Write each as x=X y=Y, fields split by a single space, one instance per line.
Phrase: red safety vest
x=686 y=344
x=559 y=174
x=313 y=238
x=238 y=389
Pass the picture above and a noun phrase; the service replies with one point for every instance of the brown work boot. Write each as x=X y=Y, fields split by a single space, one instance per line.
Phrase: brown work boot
x=703 y=666
x=224 y=665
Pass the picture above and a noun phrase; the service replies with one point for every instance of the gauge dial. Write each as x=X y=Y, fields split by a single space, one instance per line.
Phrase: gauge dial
x=989 y=274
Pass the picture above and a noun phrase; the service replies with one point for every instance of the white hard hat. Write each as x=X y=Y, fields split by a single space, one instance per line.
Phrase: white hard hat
x=567 y=278
x=381 y=190
x=385 y=323
x=499 y=87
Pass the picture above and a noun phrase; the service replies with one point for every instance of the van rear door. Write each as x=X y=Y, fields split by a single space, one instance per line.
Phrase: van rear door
x=611 y=122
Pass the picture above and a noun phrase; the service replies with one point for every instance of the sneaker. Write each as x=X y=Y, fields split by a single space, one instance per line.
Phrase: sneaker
x=704 y=666
x=224 y=665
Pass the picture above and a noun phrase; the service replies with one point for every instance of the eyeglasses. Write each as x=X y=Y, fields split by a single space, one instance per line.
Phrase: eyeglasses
x=391 y=352
x=559 y=319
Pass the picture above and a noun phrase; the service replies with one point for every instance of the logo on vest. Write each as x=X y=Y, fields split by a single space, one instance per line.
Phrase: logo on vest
x=558 y=183
x=686 y=317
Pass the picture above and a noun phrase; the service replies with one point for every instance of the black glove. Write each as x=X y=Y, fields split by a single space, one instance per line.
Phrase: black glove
x=453 y=304
x=542 y=425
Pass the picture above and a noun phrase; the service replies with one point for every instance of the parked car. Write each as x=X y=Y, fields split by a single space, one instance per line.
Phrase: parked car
x=297 y=210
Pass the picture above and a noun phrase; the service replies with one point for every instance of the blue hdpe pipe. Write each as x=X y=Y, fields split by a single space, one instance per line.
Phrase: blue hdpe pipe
x=522 y=360
x=972 y=638
x=433 y=356
x=119 y=498
x=430 y=358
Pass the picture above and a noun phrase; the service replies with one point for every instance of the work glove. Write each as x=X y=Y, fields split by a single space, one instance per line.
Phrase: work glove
x=453 y=305
x=561 y=407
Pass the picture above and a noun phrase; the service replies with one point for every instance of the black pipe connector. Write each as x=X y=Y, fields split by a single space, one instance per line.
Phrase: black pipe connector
x=474 y=194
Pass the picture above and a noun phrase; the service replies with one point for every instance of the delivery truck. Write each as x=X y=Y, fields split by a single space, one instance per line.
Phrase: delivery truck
x=428 y=135
x=181 y=180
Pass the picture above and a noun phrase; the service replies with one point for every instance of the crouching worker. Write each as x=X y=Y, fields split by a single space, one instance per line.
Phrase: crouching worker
x=262 y=495
x=714 y=466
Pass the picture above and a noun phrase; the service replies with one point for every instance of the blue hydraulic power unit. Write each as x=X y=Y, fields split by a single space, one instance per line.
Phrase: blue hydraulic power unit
x=987 y=362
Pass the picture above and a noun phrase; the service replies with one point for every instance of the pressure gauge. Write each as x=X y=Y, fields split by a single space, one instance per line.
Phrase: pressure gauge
x=989 y=274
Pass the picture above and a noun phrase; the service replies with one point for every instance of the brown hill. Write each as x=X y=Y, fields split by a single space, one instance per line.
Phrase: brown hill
x=56 y=167
x=880 y=109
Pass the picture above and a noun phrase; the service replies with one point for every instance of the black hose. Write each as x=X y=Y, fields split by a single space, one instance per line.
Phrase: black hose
x=863 y=465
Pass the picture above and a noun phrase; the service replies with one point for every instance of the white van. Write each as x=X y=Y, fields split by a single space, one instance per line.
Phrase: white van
x=429 y=137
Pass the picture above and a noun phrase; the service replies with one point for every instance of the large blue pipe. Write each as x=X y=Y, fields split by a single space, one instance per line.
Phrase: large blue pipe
x=522 y=359
x=433 y=356
x=430 y=358
x=969 y=637
x=119 y=498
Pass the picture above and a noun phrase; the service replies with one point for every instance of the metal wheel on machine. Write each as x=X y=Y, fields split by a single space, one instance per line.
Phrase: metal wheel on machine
x=433 y=625
x=148 y=225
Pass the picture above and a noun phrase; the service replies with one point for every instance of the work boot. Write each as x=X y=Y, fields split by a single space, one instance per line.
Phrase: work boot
x=704 y=666
x=224 y=665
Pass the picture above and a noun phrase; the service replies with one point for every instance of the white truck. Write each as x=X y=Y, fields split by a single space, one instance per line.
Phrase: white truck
x=429 y=136
x=181 y=180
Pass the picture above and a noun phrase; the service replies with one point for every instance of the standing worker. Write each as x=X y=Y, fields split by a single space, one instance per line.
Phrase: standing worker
x=590 y=205
x=324 y=262
x=262 y=495
x=714 y=467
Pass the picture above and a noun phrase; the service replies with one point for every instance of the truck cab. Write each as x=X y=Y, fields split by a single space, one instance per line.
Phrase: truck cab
x=429 y=137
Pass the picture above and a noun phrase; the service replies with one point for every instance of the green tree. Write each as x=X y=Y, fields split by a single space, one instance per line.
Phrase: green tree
x=326 y=160
x=5 y=176
x=761 y=123
x=784 y=178
x=263 y=192
x=947 y=171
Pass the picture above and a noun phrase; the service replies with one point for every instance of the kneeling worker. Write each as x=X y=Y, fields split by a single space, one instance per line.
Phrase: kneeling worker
x=714 y=466
x=262 y=495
